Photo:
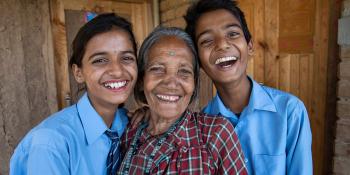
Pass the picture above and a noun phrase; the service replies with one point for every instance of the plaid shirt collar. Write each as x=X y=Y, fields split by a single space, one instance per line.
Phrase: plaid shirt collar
x=178 y=137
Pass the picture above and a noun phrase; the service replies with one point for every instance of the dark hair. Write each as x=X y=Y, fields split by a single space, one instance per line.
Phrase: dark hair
x=203 y=6
x=100 y=24
x=147 y=44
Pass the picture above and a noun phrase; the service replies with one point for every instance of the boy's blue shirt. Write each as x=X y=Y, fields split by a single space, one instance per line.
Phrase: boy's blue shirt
x=71 y=141
x=274 y=131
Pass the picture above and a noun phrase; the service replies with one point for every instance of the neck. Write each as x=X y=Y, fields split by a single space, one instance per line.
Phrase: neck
x=236 y=94
x=106 y=111
x=159 y=125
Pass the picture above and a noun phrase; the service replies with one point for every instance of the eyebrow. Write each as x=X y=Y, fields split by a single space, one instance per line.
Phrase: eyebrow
x=233 y=25
x=96 y=54
x=227 y=26
x=105 y=53
x=187 y=65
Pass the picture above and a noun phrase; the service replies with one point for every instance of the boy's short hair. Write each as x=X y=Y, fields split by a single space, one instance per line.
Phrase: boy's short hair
x=196 y=10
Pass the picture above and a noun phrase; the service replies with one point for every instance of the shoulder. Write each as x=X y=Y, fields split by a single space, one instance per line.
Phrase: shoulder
x=51 y=132
x=214 y=125
x=291 y=108
x=281 y=96
x=285 y=100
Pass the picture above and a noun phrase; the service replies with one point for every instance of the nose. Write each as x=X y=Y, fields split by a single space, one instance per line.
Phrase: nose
x=115 y=69
x=171 y=80
x=222 y=44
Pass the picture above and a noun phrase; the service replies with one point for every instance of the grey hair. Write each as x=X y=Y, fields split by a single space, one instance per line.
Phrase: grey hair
x=153 y=38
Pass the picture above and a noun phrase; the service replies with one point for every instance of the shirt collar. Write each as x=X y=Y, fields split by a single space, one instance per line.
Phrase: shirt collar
x=93 y=124
x=259 y=100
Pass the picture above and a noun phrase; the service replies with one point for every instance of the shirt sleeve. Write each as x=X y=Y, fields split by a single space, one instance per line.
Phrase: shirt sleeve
x=45 y=154
x=229 y=150
x=298 y=149
x=45 y=160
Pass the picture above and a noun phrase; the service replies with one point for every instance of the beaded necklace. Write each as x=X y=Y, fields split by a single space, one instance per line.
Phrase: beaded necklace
x=135 y=145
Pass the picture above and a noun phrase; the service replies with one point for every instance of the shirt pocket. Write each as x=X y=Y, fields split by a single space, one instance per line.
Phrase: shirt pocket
x=269 y=164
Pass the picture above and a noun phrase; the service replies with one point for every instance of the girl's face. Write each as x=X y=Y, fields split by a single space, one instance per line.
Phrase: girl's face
x=108 y=69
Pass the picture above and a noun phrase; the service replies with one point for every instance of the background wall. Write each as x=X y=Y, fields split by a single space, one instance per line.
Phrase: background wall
x=27 y=89
x=342 y=142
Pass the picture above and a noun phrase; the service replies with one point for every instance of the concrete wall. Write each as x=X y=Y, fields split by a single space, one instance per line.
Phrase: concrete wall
x=342 y=142
x=171 y=12
x=27 y=86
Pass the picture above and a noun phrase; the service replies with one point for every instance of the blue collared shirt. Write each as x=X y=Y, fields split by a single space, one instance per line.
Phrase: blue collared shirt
x=71 y=141
x=274 y=131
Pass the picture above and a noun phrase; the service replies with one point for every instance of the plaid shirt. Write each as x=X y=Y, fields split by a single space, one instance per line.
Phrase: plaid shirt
x=200 y=144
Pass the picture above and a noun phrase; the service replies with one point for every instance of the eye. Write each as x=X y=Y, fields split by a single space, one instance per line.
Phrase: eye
x=99 y=60
x=233 y=34
x=128 y=59
x=185 y=72
x=206 y=42
x=156 y=69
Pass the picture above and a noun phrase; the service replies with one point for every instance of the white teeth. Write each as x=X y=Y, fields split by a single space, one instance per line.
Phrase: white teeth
x=115 y=85
x=224 y=59
x=171 y=98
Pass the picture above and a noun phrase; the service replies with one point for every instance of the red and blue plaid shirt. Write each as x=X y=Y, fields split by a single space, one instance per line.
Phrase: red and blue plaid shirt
x=200 y=144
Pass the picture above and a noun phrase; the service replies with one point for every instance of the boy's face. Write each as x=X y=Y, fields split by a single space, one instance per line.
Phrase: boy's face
x=222 y=48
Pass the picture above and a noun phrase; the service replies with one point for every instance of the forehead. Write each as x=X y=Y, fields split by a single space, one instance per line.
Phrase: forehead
x=114 y=37
x=213 y=20
x=170 y=47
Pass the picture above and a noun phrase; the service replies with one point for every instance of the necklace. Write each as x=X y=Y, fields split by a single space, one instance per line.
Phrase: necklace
x=135 y=145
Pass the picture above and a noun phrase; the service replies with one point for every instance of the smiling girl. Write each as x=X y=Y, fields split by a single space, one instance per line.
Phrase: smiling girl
x=84 y=138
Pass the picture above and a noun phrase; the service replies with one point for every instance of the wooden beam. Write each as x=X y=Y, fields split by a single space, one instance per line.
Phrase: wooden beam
x=319 y=86
x=98 y=6
x=271 y=39
x=60 y=51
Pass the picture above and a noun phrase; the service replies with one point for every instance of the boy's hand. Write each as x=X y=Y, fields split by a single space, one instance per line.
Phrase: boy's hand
x=139 y=115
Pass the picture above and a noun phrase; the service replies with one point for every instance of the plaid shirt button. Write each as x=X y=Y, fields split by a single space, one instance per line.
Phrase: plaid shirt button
x=184 y=149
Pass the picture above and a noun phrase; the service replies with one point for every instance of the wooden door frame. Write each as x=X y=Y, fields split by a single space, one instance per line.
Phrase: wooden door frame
x=139 y=10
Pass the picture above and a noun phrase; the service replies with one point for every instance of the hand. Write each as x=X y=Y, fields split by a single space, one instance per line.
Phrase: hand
x=139 y=115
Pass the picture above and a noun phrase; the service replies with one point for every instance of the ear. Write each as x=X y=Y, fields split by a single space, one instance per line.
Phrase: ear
x=250 y=47
x=78 y=73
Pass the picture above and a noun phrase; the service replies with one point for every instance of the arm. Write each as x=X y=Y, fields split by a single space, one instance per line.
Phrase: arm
x=43 y=159
x=298 y=148
x=229 y=150
x=44 y=153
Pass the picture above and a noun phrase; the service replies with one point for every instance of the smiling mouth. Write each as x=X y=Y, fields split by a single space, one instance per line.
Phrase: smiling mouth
x=115 y=85
x=225 y=62
x=168 y=98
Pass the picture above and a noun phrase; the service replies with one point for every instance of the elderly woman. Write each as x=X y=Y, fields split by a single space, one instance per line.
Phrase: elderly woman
x=176 y=140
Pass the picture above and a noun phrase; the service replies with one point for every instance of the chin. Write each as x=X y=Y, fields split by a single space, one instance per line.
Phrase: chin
x=118 y=101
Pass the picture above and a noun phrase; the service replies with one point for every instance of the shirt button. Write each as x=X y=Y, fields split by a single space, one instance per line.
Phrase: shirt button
x=184 y=149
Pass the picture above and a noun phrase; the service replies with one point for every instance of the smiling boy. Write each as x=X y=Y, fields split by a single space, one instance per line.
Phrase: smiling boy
x=272 y=126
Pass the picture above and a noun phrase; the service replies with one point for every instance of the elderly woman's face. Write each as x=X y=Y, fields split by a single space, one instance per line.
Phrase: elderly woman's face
x=169 y=77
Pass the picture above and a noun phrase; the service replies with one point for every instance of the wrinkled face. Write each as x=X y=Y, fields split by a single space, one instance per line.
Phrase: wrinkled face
x=108 y=69
x=222 y=48
x=169 y=78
